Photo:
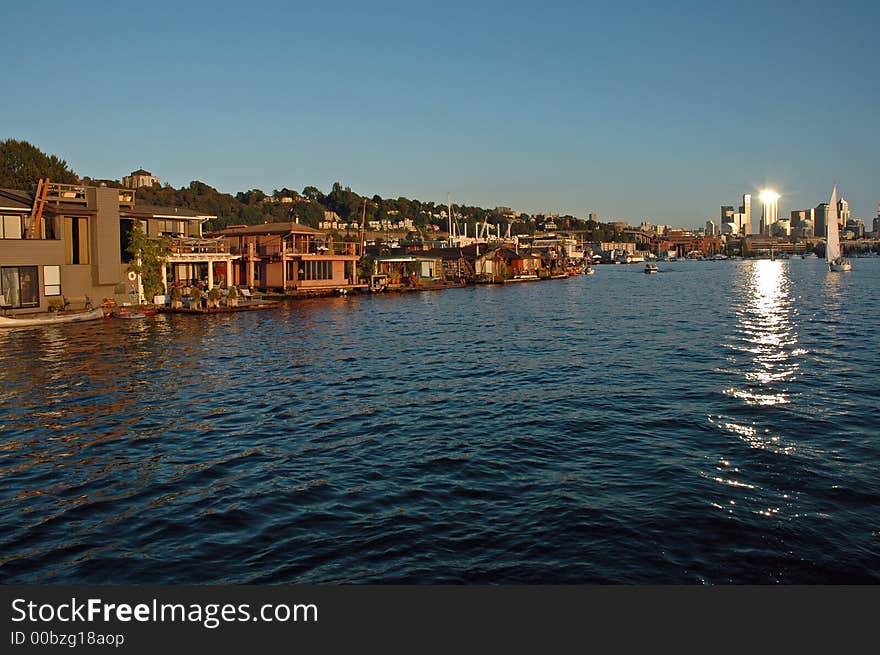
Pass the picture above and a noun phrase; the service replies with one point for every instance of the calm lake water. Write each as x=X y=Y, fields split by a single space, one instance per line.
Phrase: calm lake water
x=718 y=422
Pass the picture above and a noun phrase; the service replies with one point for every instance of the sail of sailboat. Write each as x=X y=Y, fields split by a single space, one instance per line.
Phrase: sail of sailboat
x=832 y=238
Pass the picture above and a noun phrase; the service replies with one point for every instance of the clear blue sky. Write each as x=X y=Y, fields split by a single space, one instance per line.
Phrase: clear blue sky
x=633 y=110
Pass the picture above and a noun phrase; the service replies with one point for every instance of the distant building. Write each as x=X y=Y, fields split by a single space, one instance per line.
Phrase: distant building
x=737 y=223
x=726 y=214
x=140 y=178
x=803 y=223
x=745 y=211
x=856 y=228
x=770 y=213
x=843 y=213
x=821 y=219
x=711 y=229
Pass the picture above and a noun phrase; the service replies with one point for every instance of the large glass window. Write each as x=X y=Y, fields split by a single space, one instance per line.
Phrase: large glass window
x=19 y=286
x=317 y=270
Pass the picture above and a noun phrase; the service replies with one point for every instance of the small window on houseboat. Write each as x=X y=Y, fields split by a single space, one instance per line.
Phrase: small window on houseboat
x=10 y=227
x=51 y=280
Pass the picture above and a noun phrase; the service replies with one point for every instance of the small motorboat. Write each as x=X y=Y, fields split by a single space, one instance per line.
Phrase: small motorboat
x=650 y=269
x=589 y=271
x=127 y=314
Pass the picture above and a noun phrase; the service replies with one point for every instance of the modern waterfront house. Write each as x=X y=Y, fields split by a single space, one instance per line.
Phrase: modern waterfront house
x=69 y=241
x=290 y=257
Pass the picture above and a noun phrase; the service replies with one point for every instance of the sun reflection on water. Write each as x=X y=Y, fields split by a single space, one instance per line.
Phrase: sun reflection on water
x=764 y=324
x=764 y=349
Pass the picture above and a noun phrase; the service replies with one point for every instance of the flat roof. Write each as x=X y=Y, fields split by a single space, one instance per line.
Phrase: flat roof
x=286 y=227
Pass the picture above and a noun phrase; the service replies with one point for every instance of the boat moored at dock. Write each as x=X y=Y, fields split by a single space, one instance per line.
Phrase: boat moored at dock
x=40 y=320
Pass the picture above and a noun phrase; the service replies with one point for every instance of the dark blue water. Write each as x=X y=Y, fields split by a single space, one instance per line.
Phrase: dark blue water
x=718 y=422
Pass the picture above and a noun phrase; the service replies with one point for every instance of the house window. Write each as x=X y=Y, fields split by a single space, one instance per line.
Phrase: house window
x=76 y=240
x=19 y=286
x=317 y=270
x=51 y=280
x=126 y=227
x=10 y=226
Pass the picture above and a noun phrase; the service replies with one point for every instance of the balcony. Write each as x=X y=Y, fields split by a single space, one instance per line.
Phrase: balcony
x=76 y=193
x=184 y=245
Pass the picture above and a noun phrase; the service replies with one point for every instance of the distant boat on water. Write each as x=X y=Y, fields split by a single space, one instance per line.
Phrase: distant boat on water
x=651 y=269
x=833 y=256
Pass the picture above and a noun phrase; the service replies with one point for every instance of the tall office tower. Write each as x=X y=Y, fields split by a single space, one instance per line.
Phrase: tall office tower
x=726 y=214
x=843 y=213
x=770 y=213
x=711 y=229
x=746 y=211
x=821 y=221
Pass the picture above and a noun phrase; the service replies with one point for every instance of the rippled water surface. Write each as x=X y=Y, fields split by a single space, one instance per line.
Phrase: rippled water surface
x=718 y=422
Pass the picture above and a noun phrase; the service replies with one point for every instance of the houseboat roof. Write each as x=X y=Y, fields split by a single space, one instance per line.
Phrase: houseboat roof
x=287 y=227
x=510 y=253
x=15 y=200
x=159 y=211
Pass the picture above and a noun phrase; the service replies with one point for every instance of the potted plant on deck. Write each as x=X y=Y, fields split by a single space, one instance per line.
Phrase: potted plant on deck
x=232 y=296
x=195 y=298
x=214 y=297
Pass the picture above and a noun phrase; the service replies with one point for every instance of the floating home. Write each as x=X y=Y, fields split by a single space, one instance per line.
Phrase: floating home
x=68 y=242
x=292 y=258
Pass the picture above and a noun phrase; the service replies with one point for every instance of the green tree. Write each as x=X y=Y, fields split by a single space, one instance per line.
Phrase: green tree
x=23 y=164
x=147 y=257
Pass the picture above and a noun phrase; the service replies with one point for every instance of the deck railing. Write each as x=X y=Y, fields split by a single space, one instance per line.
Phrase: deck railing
x=76 y=193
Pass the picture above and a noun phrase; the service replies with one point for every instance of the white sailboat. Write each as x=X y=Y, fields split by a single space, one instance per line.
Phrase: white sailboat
x=832 y=239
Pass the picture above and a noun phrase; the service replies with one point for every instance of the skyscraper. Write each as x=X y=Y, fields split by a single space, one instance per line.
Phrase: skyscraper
x=746 y=211
x=821 y=222
x=843 y=213
x=726 y=214
x=770 y=213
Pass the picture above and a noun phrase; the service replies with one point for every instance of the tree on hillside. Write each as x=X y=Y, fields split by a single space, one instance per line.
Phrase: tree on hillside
x=312 y=193
x=23 y=164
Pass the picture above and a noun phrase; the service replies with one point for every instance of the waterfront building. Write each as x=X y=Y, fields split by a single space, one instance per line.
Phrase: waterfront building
x=140 y=178
x=503 y=262
x=686 y=244
x=292 y=257
x=877 y=223
x=69 y=242
x=411 y=270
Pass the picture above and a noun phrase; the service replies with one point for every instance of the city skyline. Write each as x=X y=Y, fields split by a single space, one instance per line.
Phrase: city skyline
x=569 y=110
